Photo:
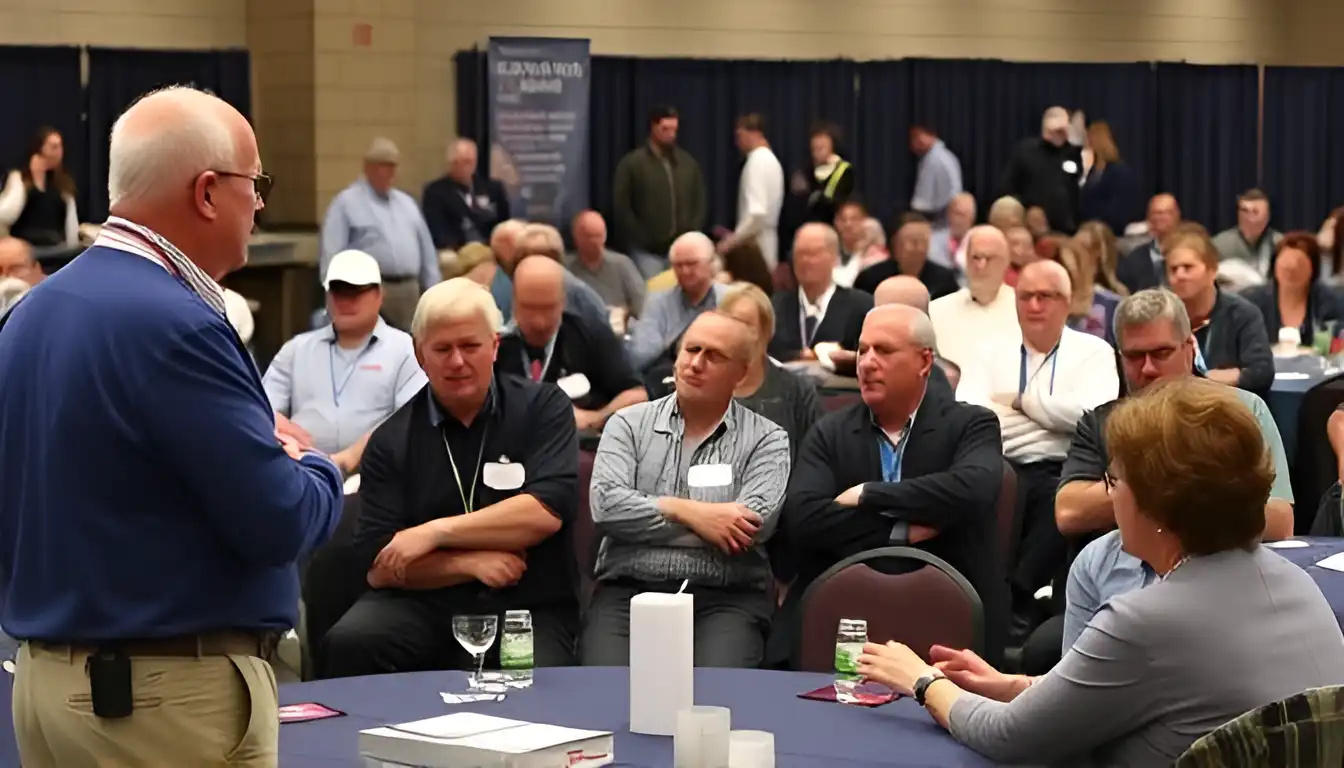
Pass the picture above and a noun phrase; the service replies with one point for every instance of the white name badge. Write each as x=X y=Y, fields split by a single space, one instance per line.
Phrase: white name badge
x=709 y=476
x=503 y=475
x=575 y=385
x=351 y=485
x=1070 y=166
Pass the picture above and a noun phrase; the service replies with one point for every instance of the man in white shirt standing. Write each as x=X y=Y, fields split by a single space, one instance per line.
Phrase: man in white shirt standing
x=985 y=310
x=1039 y=389
x=760 y=194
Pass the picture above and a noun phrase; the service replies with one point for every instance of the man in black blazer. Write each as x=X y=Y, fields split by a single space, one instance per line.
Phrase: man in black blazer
x=1143 y=267
x=907 y=466
x=819 y=311
x=460 y=208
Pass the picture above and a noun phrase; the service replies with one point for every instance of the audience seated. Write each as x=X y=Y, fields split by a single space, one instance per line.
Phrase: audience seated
x=1021 y=252
x=667 y=314
x=985 y=310
x=545 y=240
x=474 y=261
x=460 y=208
x=504 y=245
x=1092 y=305
x=910 y=256
x=546 y=342
x=1039 y=389
x=903 y=289
x=907 y=466
x=331 y=387
x=949 y=236
x=687 y=489
x=1295 y=297
x=1006 y=213
x=17 y=261
x=468 y=492
x=854 y=241
x=613 y=275
x=743 y=263
x=819 y=311
x=1144 y=267
x=1252 y=241
x=1230 y=331
x=1227 y=626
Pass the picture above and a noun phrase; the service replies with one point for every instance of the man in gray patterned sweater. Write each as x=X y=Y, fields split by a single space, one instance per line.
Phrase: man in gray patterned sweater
x=688 y=488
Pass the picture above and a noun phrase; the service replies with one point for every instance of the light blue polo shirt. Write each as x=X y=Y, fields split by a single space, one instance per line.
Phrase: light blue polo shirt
x=340 y=394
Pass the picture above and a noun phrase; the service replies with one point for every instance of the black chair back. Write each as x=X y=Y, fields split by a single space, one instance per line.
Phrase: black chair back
x=1315 y=467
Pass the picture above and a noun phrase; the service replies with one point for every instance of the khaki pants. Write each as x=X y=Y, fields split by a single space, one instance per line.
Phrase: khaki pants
x=399 y=300
x=189 y=711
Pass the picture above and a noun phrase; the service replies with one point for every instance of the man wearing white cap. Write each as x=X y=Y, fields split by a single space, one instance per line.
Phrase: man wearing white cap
x=385 y=223
x=330 y=387
x=1044 y=172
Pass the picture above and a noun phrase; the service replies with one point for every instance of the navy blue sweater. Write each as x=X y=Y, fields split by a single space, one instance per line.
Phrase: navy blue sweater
x=144 y=492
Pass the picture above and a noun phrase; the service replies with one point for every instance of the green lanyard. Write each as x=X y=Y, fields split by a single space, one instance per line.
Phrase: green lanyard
x=468 y=500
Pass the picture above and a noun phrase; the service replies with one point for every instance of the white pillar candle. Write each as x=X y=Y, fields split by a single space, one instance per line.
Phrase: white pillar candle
x=662 y=660
x=751 y=749
x=701 y=739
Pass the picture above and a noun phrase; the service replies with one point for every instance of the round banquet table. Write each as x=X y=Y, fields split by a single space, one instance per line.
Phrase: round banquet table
x=1293 y=376
x=808 y=734
x=1330 y=582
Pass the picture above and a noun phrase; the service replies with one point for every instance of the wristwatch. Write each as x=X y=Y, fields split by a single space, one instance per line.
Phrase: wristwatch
x=923 y=683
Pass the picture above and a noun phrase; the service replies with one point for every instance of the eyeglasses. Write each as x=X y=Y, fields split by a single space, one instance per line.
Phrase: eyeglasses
x=1109 y=480
x=1159 y=355
x=261 y=183
x=1042 y=296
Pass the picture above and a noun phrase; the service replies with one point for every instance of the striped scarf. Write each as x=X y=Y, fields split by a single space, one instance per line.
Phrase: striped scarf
x=126 y=235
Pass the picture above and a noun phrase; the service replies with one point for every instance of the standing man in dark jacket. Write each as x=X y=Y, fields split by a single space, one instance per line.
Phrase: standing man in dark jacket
x=1045 y=172
x=659 y=194
x=460 y=208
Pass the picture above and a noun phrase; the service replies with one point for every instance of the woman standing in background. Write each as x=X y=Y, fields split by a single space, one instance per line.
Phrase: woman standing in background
x=1110 y=192
x=37 y=203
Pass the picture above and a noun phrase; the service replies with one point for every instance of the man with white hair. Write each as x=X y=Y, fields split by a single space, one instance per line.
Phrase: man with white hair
x=468 y=493
x=459 y=208
x=949 y=238
x=940 y=469
x=985 y=310
x=667 y=314
x=1045 y=171
x=819 y=312
x=149 y=537
x=372 y=216
x=1039 y=389
x=504 y=245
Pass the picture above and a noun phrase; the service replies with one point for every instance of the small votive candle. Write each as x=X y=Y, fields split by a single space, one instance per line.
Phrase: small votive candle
x=701 y=738
x=751 y=749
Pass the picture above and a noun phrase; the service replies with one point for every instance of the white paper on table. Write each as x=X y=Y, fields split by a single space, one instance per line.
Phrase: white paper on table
x=823 y=351
x=1291 y=376
x=1287 y=544
x=470 y=698
x=1334 y=562
x=458 y=726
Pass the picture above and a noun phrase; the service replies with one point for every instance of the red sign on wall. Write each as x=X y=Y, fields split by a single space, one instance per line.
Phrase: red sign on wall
x=362 y=34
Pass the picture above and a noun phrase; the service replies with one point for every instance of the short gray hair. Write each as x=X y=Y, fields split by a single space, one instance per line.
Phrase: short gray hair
x=455 y=146
x=541 y=240
x=1058 y=274
x=140 y=163
x=510 y=229
x=828 y=235
x=873 y=232
x=921 y=331
x=1149 y=306
x=698 y=242
x=455 y=299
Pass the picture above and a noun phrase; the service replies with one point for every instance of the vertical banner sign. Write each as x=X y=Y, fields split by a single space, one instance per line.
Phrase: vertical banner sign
x=538 y=91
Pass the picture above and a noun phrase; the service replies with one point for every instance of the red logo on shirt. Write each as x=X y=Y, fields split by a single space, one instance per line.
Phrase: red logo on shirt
x=371 y=367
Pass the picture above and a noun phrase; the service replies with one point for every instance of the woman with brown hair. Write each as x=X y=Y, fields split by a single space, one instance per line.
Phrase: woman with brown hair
x=1295 y=297
x=1110 y=191
x=1092 y=306
x=37 y=203
x=1231 y=333
x=744 y=263
x=1226 y=626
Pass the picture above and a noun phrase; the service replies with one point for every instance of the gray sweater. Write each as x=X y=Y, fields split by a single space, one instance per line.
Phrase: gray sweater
x=639 y=460
x=1161 y=666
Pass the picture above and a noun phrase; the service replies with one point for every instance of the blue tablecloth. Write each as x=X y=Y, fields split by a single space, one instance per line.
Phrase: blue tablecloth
x=1285 y=397
x=1330 y=582
x=808 y=734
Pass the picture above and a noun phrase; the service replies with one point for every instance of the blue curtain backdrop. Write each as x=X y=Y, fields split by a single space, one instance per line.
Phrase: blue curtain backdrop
x=983 y=108
x=41 y=86
x=1297 y=144
x=881 y=150
x=118 y=76
x=1206 y=134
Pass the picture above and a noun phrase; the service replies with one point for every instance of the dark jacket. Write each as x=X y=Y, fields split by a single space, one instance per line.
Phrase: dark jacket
x=940 y=280
x=1039 y=174
x=457 y=214
x=950 y=478
x=1111 y=195
x=1138 y=271
x=581 y=347
x=656 y=200
x=1235 y=337
x=823 y=196
x=1323 y=307
x=841 y=324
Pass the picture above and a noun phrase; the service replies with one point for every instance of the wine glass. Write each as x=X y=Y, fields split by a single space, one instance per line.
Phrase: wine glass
x=476 y=634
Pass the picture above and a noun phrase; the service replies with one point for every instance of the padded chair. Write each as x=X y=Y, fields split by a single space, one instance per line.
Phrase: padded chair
x=330 y=583
x=1314 y=469
x=1302 y=731
x=584 y=535
x=923 y=602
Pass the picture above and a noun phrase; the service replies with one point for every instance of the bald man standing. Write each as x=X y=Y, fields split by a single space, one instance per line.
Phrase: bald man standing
x=149 y=536
x=547 y=342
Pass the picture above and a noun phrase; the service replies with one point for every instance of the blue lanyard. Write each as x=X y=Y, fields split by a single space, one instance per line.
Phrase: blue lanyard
x=545 y=362
x=1052 y=359
x=354 y=365
x=893 y=455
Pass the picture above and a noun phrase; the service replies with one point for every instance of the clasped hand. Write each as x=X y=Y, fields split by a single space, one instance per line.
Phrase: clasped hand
x=730 y=527
x=851 y=498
